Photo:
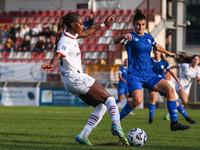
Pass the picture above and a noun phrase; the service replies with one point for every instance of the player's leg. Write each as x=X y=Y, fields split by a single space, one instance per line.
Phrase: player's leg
x=152 y=106
x=131 y=105
x=120 y=97
x=97 y=94
x=164 y=87
x=120 y=91
x=183 y=96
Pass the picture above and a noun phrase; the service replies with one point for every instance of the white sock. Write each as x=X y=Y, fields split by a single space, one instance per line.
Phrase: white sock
x=113 y=111
x=93 y=120
x=167 y=114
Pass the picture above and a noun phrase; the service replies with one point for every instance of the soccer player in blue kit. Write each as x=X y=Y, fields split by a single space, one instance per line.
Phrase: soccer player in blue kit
x=159 y=64
x=140 y=74
x=122 y=88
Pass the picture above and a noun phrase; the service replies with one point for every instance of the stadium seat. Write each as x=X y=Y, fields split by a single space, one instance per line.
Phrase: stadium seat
x=86 y=41
x=101 y=33
x=103 y=47
x=116 y=33
x=108 y=33
x=115 y=26
x=122 y=18
x=113 y=11
x=118 y=47
x=94 y=40
x=48 y=55
x=32 y=13
x=82 y=56
x=105 y=12
x=34 y=60
x=18 y=14
x=98 y=19
x=54 y=13
x=46 y=13
x=12 y=60
x=102 y=40
x=34 y=55
x=27 y=55
x=5 y=55
x=17 y=20
x=95 y=47
x=25 y=14
x=103 y=55
x=97 y=12
x=19 y=60
x=77 y=11
x=41 y=55
x=5 y=60
x=11 y=14
x=19 y=55
x=128 y=12
x=11 y=55
x=95 y=55
x=88 y=47
x=90 y=12
x=88 y=55
x=109 y=40
x=129 y=18
x=112 y=55
x=120 y=12
x=24 y=20
x=80 y=40
x=3 y=14
x=61 y=13
x=39 y=13
x=152 y=11
x=83 y=12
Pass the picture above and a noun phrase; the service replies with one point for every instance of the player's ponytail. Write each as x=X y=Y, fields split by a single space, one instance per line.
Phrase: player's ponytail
x=59 y=33
x=138 y=16
x=182 y=58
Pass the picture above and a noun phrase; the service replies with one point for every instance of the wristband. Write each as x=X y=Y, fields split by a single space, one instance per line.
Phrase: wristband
x=102 y=25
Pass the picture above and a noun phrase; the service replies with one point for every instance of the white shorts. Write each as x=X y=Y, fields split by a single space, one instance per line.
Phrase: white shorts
x=80 y=85
x=186 y=88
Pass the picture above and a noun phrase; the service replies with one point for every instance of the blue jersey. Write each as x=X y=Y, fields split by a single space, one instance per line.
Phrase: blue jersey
x=138 y=50
x=123 y=71
x=159 y=67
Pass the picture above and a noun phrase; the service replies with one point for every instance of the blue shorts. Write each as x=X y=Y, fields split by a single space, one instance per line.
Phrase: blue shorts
x=137 y=82
x=122 y=90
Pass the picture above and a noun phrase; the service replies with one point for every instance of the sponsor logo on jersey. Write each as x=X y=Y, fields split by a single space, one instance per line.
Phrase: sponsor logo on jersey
x=136 y=39
x=64 y=48
x=78 y=53
x=149 y=41
x=162 y=66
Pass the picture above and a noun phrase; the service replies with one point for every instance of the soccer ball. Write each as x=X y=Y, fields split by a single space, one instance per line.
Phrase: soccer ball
x=137 y=137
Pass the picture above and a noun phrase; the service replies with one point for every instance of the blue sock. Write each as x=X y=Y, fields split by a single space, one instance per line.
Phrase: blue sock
x=182 y=110
x=151 y=110
x=116 y=101
x=125 y=111
x=171 y=105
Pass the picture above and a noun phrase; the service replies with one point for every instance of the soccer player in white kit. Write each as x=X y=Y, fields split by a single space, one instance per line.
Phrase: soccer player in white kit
x=190 y=70
x=68 y=54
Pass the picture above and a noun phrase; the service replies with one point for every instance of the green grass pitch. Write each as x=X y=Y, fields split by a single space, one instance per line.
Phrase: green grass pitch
x=55 y=128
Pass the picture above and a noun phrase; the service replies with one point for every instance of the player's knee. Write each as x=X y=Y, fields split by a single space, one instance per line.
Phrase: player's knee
x=170 y=92
x=185 y=101
x=137 y=101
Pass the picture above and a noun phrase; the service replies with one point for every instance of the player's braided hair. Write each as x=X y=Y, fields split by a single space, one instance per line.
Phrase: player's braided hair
x=182 y=58
x=65 y=20
x=138 y=16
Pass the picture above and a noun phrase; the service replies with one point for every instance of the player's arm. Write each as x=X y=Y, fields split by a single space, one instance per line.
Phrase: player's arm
x=52 y=64
x=121 y=78
x=175 y=77
x=174 y=66
x=120 y=39
x=159 y=48
x=90 y=31
x=198 y=80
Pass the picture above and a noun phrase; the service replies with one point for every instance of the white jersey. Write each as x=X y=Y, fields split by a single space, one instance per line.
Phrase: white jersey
x=187 y=74
x=75 y=81
x=70 y=62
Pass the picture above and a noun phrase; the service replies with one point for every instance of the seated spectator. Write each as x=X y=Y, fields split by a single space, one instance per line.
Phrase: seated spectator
x=39 y=46
x=90 y=21
x=25 y=46
x=26 y=29
x=35 y=30
x=22 y=32
x=48 y=44
x=85 y=23
x=11 y=32
x=45 y=30
x=54 y=30
x=9 y=46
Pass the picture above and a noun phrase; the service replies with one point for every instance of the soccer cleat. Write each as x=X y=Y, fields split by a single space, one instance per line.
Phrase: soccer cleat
x=179 y=126
x=117 y=131
x=82 y=140
x=188 y=119
x=165 y=117
x=150 y=120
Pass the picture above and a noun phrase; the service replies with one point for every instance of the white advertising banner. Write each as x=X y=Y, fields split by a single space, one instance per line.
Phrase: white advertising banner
x=21 y=72
x=14 y=96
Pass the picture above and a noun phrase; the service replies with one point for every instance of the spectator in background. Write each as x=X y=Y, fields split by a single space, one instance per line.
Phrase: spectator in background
x=39 y=46
x=26 y=29
x=45 y=30
x=35 y=30
x=11 y=32
x=21 y=32
x=54 y=30
x=9 y=46
x=90 y=21
x=85 y=23
x=25 y=46
x=48 y=44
